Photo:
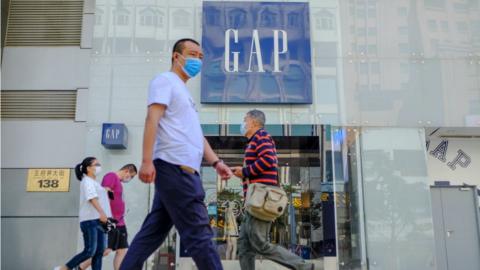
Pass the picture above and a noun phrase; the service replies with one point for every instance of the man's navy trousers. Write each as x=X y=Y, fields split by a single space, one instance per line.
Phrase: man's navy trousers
x=178 y=201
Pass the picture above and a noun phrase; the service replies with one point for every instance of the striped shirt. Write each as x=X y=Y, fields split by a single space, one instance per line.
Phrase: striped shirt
x=261 y=163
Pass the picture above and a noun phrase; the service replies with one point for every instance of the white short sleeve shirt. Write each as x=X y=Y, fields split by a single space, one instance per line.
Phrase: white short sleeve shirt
x=89 y=189
x=179 y=135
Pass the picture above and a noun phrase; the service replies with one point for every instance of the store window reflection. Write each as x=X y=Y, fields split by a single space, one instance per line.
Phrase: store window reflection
x=122 y=17
x=299 y=229
x=302 y=227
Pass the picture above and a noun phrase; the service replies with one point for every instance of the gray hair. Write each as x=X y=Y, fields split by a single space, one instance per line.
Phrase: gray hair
x=258 y=116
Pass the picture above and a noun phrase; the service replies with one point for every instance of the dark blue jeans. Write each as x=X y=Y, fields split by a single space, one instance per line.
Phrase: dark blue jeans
x=94 y=245
x=178 y=201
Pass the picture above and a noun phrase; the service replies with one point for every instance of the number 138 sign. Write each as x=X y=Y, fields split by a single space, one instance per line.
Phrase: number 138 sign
x=48 y=180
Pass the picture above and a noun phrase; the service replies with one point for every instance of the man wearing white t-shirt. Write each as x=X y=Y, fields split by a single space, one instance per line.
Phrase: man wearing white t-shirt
x=173 y=148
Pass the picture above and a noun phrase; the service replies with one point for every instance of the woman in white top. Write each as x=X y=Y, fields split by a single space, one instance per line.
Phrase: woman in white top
x=94 y=210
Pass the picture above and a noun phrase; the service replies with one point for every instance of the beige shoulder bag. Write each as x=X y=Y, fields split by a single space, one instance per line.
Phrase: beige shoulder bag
x=265 y=202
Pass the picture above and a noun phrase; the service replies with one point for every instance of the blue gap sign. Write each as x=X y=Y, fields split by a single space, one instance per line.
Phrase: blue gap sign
x=114 y=136
x=256 y=52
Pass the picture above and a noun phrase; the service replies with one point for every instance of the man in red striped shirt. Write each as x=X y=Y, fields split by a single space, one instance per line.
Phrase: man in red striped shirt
x=260 y=155
x=260 y=166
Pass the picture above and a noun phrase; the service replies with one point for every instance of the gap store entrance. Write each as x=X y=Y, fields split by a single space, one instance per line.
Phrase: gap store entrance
x=359 y=198
x=307 y=228
x=300 y=229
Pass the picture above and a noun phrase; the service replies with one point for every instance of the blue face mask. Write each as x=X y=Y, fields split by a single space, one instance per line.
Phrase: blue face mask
x=243 y=128
x=192 y=66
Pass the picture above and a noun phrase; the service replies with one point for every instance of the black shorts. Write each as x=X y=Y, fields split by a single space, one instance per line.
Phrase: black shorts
x=118 y=238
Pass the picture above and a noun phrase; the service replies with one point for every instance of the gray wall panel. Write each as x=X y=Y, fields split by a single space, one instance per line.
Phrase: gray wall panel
x=62 y=68
x=38 y=243
x=34 y=144
x=88 y=23
x=89 y=6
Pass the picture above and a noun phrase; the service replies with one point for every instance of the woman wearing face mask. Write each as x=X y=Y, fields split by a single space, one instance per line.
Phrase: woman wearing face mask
x=118 y=238
x=94 y=210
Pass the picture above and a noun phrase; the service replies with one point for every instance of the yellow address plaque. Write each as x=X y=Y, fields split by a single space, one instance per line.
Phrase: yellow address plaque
x=48 y=180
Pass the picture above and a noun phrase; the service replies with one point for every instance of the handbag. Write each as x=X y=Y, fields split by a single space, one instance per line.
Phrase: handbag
x=265 y=202
x=110 y=225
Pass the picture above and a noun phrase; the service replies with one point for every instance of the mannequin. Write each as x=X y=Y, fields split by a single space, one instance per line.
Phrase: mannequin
x=230 y=232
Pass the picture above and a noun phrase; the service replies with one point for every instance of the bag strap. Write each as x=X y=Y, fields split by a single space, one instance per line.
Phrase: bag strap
x=278 y=180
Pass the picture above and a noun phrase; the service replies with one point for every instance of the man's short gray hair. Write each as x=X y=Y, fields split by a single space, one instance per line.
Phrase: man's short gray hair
x=258 y=116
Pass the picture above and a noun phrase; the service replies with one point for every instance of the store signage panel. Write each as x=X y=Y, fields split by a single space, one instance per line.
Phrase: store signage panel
x=114 y=136
x=48 y=180
x=256 y=52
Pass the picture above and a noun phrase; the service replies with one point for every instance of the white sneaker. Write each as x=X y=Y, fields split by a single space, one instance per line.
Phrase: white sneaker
x=57 y=268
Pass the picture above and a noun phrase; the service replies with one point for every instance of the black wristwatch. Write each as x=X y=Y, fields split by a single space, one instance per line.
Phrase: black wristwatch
x=215 y=163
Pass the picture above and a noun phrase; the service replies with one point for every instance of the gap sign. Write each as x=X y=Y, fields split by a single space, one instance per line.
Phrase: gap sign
x=256 y=52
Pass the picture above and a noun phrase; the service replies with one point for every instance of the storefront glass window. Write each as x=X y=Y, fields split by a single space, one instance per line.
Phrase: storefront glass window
x=301 y=228
x=398 y=213
x=347 y=191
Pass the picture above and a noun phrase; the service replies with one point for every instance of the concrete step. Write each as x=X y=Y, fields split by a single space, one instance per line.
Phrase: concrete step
x=187 y=264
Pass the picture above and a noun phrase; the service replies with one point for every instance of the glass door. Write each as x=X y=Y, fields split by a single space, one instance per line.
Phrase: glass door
x=301 y=228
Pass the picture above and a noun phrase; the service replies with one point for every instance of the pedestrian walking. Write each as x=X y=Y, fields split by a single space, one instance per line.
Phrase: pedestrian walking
x=173 y=148
x=261 y=166
x=117 y=238
x=94 y=211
